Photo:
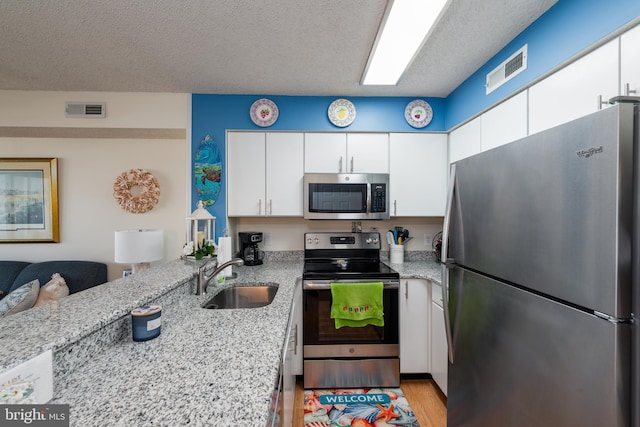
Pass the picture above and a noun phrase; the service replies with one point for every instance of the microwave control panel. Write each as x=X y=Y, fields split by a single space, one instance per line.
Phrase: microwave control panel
x=378 y=197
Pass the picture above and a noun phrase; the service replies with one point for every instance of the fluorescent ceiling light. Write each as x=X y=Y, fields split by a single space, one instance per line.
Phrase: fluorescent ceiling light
x=402 y=34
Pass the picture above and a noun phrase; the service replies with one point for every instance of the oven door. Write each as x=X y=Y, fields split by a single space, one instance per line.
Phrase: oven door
x=322 y=339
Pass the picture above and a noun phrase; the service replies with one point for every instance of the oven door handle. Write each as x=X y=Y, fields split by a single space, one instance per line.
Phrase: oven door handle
x=327 y=285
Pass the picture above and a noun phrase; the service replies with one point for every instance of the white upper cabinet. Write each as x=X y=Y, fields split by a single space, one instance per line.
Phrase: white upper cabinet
x=325 y=152
x=575 y=90
x=630 y=62
x=346 y=153
x=246 y=173
x=367 y=153
x=464 y=141
x=284 y=173
x=418 y=174
x=264 y=173
x=504 y=123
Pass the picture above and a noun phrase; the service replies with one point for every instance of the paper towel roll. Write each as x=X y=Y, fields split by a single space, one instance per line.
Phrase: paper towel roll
x=224 y=254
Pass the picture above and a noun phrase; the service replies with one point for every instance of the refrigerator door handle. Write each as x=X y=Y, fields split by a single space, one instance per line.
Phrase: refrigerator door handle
x=447 y=263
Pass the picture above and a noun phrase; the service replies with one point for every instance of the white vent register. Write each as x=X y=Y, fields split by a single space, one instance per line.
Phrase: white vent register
x=510 y=68
x=85 y=109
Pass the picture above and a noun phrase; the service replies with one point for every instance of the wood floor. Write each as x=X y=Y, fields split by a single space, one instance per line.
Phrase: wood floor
x=425 y=398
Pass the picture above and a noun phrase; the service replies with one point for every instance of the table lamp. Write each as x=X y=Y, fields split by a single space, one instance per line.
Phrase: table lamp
x=138 y=248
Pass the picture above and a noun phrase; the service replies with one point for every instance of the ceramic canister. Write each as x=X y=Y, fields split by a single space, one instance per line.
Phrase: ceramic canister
x=146 y=321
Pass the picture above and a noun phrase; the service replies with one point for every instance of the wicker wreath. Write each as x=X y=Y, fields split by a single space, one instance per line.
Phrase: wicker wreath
x=147 y=199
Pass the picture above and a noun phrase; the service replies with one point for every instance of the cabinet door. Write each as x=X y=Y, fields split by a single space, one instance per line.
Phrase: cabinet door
x=288 y=381
x=367 y=153
x=325 y=152
x=284 y=156
x=418 y=174
x=574 y=91
x=464 y=141
x=504 y=123
x=415 y=304
x=297 y=329
x=439 y=362
x=245 y=173
x=630 y=62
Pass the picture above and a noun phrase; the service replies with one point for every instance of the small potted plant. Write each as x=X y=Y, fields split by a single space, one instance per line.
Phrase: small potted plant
x=204 y=249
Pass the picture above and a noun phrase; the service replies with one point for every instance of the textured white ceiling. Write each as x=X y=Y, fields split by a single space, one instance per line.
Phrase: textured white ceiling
x=287 y=47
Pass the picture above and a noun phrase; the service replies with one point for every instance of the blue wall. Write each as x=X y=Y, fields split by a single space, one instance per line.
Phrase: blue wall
x=566 y=29
x=214 y=114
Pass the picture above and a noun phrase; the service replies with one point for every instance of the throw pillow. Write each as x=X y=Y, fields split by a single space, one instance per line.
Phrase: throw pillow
x=20 y=299
x=55 y=289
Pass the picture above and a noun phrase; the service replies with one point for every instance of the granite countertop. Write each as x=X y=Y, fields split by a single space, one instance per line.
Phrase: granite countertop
x=428 y=269
x=207 y=367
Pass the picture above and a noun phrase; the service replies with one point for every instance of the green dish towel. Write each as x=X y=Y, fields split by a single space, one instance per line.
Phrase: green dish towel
x=357 y=304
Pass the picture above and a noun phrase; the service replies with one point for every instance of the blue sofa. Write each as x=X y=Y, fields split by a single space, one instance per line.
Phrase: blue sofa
x=79 y=275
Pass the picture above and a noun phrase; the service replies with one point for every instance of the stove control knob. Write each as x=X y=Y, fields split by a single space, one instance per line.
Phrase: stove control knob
x=368 y=240
x=309 y=241
x=375 y=241
x=317 y=241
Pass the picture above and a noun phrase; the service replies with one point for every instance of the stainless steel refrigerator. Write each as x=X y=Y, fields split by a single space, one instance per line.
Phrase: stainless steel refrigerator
x=540 y=268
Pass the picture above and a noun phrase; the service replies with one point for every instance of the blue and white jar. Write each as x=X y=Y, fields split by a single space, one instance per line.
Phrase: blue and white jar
x=146 y=322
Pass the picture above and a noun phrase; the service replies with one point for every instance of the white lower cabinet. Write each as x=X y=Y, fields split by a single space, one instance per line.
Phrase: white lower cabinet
x=297 y=329
x=292 y=357
x=439 y=362
x=414 y=299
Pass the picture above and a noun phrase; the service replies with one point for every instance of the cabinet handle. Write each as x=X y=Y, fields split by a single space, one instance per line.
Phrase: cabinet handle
x=601 y=102
x=627 y=90
x=295 y=339
x=406 y=290
x=259 y=206
x=270 y=207
x=395 y=208
x=351 y=164
x=340 y=165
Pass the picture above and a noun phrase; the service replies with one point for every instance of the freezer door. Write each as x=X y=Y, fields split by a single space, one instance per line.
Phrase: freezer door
x=520 y=359
x=552 y=212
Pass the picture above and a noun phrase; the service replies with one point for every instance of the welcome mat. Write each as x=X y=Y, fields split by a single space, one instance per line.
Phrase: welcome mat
x=363 y=407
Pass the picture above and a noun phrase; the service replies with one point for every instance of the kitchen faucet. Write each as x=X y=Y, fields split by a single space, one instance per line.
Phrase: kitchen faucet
x=203 y=279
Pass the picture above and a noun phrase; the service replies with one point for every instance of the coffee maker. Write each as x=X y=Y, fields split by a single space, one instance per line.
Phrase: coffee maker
x=249 y=251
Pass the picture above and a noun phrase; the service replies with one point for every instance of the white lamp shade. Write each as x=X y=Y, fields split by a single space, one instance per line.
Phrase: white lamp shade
x=137 y=246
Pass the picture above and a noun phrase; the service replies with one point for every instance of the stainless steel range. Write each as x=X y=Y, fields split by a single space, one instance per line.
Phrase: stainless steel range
x=366 y=356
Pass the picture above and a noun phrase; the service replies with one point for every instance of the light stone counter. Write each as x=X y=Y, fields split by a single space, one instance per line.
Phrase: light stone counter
x=207 y=367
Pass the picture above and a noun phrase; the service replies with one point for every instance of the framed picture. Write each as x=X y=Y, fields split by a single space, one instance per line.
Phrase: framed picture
x=28 y=200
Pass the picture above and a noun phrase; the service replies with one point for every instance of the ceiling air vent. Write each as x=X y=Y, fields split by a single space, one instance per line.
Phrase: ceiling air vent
x=85 y=109
x=510 y=68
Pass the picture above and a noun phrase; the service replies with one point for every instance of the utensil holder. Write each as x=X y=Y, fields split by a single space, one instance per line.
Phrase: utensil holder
x=396 y=254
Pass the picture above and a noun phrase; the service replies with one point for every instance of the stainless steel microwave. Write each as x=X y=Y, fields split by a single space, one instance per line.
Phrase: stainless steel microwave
x=346 y=196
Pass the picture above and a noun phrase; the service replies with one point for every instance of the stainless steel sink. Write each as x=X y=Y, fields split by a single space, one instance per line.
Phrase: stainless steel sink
x=243 y=296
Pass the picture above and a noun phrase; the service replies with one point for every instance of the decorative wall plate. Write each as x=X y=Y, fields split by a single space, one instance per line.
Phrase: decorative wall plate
x=342 y=112
x=264 y=112
x=207 y=171
x=418 y=113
